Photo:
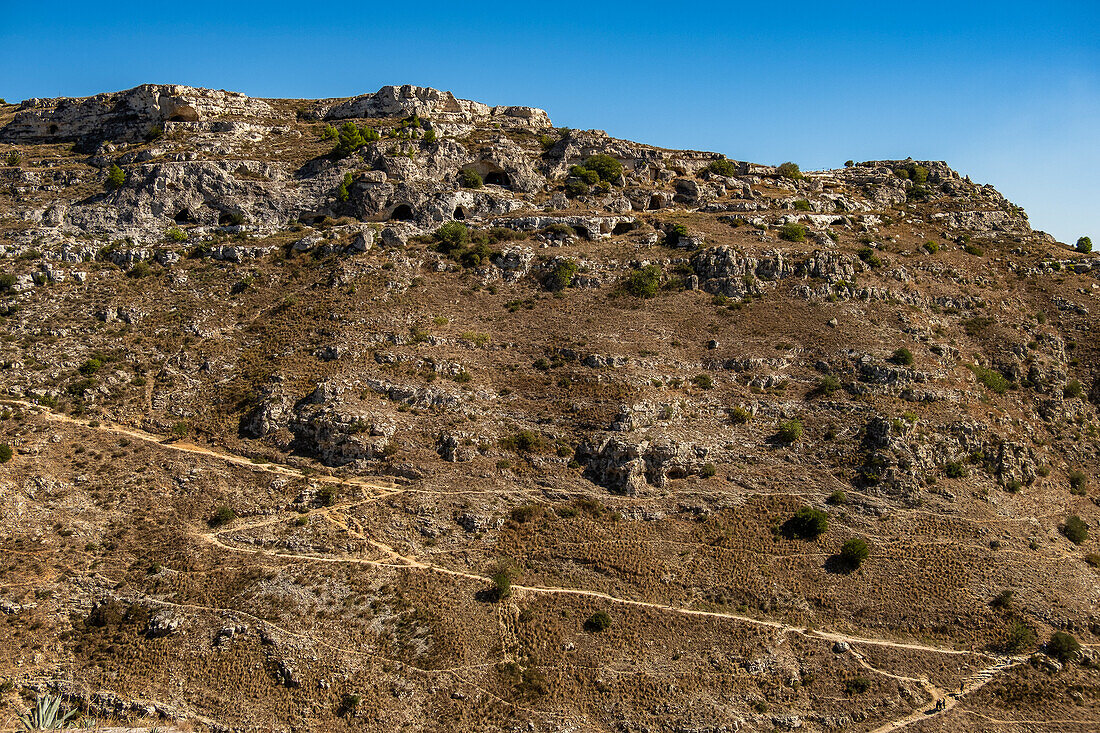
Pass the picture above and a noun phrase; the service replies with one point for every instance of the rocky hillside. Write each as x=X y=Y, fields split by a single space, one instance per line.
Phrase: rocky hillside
x=407 y=412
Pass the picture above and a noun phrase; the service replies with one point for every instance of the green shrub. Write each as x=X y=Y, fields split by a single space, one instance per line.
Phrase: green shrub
x=139 y=270
x=722 y=167
x=116 y=178
x=954 y=469
x=854 y=551
x=740 y=416
x=180 y=430
x=643 y=282
x=1018 y=637
x=790 y=170
x=703 y=381
x=902 y=357
x=972 y=249
x=1075 y=529
x=5 y=452
x=837 y=498
x=607 y=168
x=1073 y=389
x=857 y=686
x=1084 y=245
x=90 y=366
x=1062 y=647
x=709 y=470
x=597 y=622
x=868 y=255
x=13 y=158
x=502 y=583
x=789 y=431
x=827 y=386
x=991 y=379
x=573 y=189
x=452 y=236
x=222 y=516
x=370 y=134
x=329 y=133
x=429 y=136
x=343 y=191
x=177 y=235
x=802 y=205
x=792 y=232
x=931 y=247
x=1077 y=482
x=807 y=524
x=470 y=178
x=350 y=139
x=562 y=275
x=525 y=441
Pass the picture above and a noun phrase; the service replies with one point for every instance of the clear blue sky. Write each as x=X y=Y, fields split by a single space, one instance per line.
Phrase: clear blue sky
x=1007 y=92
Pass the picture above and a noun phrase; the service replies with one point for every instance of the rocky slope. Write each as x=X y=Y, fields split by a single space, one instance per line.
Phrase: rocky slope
x=403 y=411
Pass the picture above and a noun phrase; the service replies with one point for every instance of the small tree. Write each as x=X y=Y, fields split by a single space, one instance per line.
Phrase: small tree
x=1084 y=245
x=789 y=170
x=604 y=166
x=343 y=191
x=1075 y=529
x=116 y=178
x=470 y=178
x=854 y=552
x=349 y=140
x=452 y=236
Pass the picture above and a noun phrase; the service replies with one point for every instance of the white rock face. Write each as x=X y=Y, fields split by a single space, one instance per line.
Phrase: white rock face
x=408 y=100
x=125 y=116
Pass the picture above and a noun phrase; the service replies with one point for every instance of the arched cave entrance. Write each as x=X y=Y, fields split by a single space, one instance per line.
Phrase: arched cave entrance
x=184 y=216
x=184 y=113
x=402 y=212
x=655 y=202
x=582 y=232
x=498 y=178
x=623 y=227
x=461 y=213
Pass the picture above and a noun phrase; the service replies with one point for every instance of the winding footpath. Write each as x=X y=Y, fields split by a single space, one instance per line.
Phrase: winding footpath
x=941 y=700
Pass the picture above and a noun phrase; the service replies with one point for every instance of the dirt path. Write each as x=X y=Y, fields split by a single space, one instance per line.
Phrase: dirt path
x=394 y=559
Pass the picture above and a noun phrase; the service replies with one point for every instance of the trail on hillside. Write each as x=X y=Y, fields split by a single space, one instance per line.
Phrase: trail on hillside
x=397 y=560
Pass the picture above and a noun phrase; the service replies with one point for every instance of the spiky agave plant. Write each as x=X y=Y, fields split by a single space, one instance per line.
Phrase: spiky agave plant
x=46 y=714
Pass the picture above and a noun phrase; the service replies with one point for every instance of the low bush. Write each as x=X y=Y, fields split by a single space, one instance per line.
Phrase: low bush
x=1075 y=529
x=1073 y=389
x=703 y=381
x=709 y=470
x=902 y=357
x=597 y=622
x=1062 y=647
x=802 y=205
x=827 y=386
x=1077 y=482
x=13 y=158
x=857 y=686
x=525 y=441
x=837 y=498
x=954 y=469
x=991 y=379
x=740 y=416
x=643 y=282
x=1084 y=245
x=931 y=247
x=722 y=167
x=5 y=452
x=222 y=516
x=789 y=431
x=561 y=276
x=792 y=232
x=854 y=552
x=177 y=235
x=807 y=524
x=1017 y=637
